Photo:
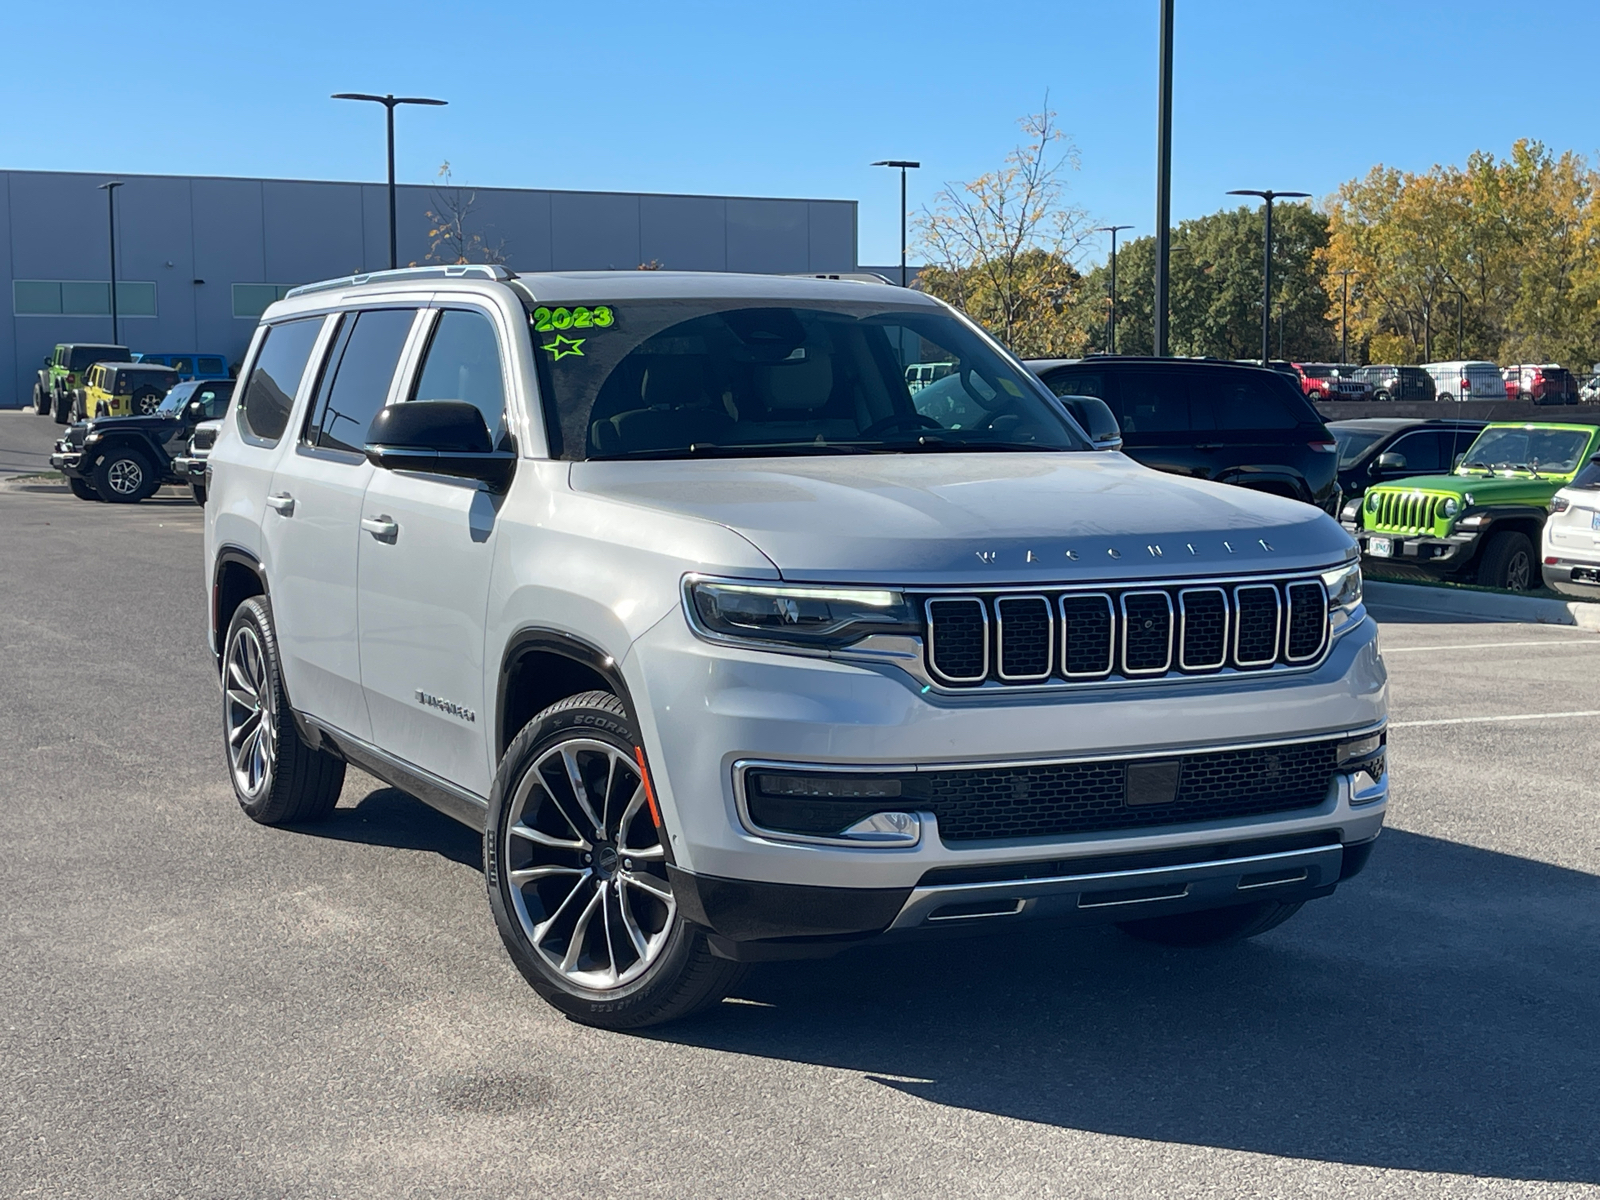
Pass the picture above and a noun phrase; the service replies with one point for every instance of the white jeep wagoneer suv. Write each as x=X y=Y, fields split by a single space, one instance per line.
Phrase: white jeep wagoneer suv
x=737 y=648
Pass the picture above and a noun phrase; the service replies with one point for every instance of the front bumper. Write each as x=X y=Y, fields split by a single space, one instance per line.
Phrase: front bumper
x=68 y=460
x=190 y=468
x=706 y=708
x=1422 y=552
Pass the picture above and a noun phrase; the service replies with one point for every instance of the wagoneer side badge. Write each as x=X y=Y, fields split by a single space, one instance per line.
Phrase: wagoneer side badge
x=445 y=706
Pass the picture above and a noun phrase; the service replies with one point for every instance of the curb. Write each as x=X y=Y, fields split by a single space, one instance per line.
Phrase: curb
x=1483 y=606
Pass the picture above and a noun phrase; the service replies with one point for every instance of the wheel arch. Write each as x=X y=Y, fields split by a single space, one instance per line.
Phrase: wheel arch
x=236 y=576
x=1517 y=519
x=541 y=666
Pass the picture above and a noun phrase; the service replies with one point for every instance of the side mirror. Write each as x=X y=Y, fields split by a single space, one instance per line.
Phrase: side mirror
x=1095 y=415
x=195 y=410
x=1391 y=461
x=439 y=437
x=1458 y=460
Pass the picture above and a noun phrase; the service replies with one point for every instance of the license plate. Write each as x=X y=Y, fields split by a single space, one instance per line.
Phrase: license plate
x=1380 y=547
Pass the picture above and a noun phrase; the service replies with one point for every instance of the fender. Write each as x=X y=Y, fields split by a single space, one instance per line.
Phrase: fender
x=551 y=641
x=230 y=555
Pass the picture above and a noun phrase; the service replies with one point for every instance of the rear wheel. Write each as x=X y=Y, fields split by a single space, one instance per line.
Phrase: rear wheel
x=41 y=398
x=1213 y=927
x=124 y=477
x=1507 y=562
x=1380 y=397
x=76 y=408
x=1444 y=397
x=60 y=405
x=277 y=778
x=575 y=861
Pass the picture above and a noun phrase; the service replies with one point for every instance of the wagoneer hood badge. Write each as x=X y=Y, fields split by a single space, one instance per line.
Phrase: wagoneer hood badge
x=980 y=518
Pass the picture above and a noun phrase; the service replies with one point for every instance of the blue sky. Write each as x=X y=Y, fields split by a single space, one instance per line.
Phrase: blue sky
x=793 y=99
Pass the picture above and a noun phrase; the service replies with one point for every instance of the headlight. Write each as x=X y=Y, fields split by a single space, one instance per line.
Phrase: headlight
x=1372 y=501
x=1344 y=595
x=1451 y=506
x=91 y=438
x=816 y=617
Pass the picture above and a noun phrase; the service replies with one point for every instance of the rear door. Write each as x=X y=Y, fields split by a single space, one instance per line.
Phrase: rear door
x=1163 y=424
x=314 y=525
x=426 y=553
x=1257 y=432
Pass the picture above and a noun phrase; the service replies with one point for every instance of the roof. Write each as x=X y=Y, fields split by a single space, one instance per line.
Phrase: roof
x=1389 y=424
x=1037 y=365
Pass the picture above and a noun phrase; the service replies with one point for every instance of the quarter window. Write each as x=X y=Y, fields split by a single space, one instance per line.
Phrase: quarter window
x=463 y=363
x=356 y=381
x=275 y=378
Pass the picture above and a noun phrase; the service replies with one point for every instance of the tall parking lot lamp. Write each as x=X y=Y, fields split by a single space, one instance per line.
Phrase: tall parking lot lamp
x=1266 y=287
x=1111 y=320
x=110 y=189
x=389 y=103
x=1344 y=315
x=904 y=167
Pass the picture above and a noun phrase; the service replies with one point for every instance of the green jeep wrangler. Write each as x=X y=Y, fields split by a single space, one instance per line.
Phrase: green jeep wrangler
x=1480 y=523
x=63 y=374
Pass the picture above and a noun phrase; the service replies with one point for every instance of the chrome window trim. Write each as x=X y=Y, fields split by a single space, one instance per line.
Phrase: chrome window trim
x=927 y=613
x=1288 y=626
x=1166 y=664
x=1183 y=630
x=1111 y=639
x=1000 y=638
x=1277 y=634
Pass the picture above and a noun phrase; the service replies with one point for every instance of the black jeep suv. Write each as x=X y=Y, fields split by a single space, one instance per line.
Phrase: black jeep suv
x=1214 y=420
x=125 y=459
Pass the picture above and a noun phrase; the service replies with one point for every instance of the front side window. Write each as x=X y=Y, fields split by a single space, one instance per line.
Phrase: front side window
x=1423 y=452
x=1248 y=403
x=684 y=378
x=275 y=378
x=463 y=363
x=355 y=383
x=1352 y=445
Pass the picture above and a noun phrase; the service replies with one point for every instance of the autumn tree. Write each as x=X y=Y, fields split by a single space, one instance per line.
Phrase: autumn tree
x=450 y=238
x=1004 y=247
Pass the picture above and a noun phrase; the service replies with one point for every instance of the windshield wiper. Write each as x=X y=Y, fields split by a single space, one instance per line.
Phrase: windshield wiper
x=932 y=443
x=735 y=450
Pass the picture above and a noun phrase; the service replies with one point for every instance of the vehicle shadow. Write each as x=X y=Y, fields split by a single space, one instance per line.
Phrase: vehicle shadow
x=386 y=816
x=1439 y=1014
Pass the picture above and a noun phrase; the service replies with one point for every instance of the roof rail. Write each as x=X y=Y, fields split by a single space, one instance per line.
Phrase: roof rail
x=848 y=276
x=458 y=271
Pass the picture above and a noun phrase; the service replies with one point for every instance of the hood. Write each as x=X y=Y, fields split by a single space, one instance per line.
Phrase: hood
x=147 y=422
x=1484 y=489
x=978 y=518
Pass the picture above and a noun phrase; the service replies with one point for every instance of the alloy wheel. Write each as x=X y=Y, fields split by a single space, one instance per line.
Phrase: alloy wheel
x=1518 y=572
x=586 y=866
x=248 y=715
x=125 y=476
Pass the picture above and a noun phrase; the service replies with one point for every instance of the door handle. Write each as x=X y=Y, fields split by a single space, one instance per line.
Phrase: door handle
x=282 y=502
x=384 y=527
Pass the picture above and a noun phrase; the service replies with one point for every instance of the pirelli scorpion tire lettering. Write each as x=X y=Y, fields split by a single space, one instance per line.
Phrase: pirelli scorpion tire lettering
x=575 y=861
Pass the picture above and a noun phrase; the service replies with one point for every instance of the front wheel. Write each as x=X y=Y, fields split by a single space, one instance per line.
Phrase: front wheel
x=1213 y=926
x=277 y=778
x=575 y=859
x=198 y=491
x=124 y=477
x=41 y=399
x=1507 y=563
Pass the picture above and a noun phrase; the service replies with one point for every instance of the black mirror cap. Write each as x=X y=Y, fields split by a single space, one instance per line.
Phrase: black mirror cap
x=439 y=437
x=1097 y=419
x=196 y=410
x=1390 y=461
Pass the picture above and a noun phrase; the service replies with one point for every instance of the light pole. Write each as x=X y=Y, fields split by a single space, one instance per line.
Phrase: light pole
x=1461 y=298
x=1266 y=286
x=1163 y=181
x=389 y=103
x=1344 y=315
x=1111 y=321
x=110 y=189
x=904 y=166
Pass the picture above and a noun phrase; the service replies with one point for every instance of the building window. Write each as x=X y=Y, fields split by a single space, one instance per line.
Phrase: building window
x=250 y=300
x=81 y=298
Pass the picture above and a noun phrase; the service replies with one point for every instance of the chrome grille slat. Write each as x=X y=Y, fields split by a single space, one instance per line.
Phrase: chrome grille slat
x=1064 y=635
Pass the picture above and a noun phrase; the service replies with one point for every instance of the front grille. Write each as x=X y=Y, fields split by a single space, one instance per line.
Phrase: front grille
x=1405 y=512
x=1150 y=631
x=1089 y=797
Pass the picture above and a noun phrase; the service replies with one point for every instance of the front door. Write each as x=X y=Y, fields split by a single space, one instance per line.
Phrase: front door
x=425 y=559
x=315 y=527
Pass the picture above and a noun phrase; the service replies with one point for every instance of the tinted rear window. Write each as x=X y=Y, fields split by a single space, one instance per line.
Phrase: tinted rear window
x=1588 y=476
x=269 y=395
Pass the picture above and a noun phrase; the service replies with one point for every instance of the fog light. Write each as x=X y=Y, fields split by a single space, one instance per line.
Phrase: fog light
x=886 y=828
x=1357 y=749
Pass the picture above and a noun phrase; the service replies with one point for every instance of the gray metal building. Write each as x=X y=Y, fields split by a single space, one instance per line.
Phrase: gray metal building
x=199 y=258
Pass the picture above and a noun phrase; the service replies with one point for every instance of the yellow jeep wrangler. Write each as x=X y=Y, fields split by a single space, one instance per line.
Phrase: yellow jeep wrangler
x=124 y=389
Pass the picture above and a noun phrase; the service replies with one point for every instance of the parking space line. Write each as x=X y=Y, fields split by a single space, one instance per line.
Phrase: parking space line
x=1590 y=640
x=1549 y=716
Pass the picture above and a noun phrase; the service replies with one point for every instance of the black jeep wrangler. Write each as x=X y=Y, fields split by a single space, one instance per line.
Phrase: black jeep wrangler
x=123 y=460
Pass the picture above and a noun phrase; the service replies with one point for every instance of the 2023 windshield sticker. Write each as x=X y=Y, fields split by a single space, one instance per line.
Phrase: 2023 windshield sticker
x=556 y=320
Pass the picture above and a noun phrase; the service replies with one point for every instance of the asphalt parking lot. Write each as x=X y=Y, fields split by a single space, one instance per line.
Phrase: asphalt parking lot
x=195 y=1006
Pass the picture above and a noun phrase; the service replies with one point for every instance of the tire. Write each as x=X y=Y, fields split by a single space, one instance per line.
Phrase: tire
x=1380 y=397
x=59 y=406
x=124 y=476
x=41 y=399
x=1444 y=397
x=144 y=402
x=76 y=410
x=655 y=968
x=1213 y=926
x=1507 y=562
x=198 y=491
x=81 y=489
x=277 y=778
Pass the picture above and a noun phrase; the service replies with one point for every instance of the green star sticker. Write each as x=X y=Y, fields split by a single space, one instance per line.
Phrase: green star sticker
x=564 y=346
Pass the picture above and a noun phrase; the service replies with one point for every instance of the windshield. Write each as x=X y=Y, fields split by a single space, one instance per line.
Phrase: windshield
x=176 y=399
x=685 y=378
x=1318 y=371
x=1353 y=444
x=1550 y=451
